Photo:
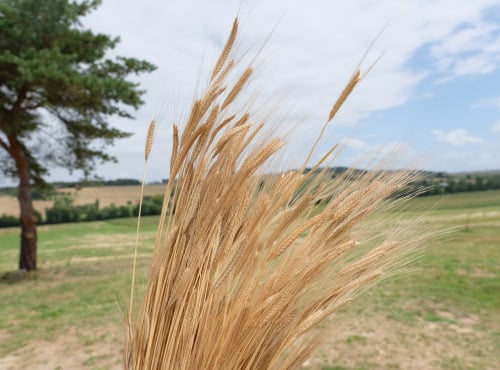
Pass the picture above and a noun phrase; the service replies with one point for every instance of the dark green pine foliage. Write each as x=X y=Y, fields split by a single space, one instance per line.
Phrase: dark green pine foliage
x=58 y=88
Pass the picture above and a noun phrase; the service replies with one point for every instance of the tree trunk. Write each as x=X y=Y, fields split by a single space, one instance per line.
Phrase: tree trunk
x=27 y=258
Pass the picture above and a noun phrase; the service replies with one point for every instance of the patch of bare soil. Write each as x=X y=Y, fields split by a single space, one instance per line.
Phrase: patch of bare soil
x=371 y=342
x=76 y=349
x=10 y=205
x=107 y=195
x=375 y=342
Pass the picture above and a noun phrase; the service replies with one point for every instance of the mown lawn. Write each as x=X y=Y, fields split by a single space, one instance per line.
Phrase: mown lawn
x=82 y=286
x=445 y=314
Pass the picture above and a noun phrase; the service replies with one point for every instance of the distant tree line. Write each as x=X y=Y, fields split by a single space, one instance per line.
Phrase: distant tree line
x=63 y=210
x=47 y=192
x=96 y=182
x=449 y=184
x=435 y=183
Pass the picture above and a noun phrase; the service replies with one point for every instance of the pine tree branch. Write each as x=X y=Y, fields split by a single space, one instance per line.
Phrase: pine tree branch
x=4 y=145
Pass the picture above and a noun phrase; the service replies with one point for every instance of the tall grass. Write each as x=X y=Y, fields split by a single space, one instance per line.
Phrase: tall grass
x=246 y=266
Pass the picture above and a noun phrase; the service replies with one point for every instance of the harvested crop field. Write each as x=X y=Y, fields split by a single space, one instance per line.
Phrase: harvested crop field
x=106 y=195
x=443 y=315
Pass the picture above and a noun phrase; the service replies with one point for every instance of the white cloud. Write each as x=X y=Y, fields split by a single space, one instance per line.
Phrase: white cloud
x=496 y=128
x=468 y=160
x=456 y=137
x=477 y=64
x=354 y=143
x=487 y=102
x=309 y=57
x=391 y=154
x=472 y=49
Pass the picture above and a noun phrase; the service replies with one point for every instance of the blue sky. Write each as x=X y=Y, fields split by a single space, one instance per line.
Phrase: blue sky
x=435 y=91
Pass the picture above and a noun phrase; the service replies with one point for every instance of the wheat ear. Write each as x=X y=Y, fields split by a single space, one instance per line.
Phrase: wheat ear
x=249 y=264
x=147 y=152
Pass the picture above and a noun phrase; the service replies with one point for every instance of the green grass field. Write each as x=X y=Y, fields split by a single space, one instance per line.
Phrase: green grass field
x=443 y=315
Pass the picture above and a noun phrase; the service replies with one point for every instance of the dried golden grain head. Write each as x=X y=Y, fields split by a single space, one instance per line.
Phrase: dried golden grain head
x=149 y=139
x=246 y=266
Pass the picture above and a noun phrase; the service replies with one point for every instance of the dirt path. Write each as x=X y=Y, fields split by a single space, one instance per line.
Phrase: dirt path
x=76 y=349
x=368 y=342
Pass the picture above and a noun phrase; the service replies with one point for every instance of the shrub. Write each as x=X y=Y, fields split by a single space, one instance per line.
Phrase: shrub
x=9 y=221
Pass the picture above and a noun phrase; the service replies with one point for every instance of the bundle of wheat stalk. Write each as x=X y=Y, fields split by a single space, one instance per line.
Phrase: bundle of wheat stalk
x=245 y=266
